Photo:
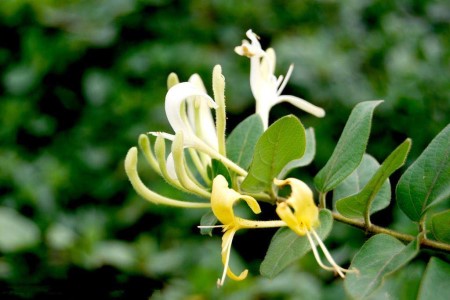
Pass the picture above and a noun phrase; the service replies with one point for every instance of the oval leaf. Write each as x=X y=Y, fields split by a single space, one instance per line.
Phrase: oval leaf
x=436 y=281
x=380 y=256
x=356 y=206
x=426 y=182
x=281 y=143
x=350 y=148
x=286 y=246
x=306 y=159
x=354 y=183
x=242 y=140
x=440 y=226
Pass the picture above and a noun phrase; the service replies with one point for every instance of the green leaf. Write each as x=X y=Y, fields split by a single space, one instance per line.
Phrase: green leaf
x=219 y=168
x=350 y=148
x=208 y=219
x=306 y=159
x=380 y=256
x=286 y=246
x=440 y=226
x=436 y=281
x=281 y=143
x=357 y=205
x=242 y=140
x=16 y=231
x=426 y=182
x=354 y=183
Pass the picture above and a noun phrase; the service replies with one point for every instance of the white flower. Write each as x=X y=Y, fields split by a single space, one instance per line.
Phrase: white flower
x=265 y=86
x=178 y=118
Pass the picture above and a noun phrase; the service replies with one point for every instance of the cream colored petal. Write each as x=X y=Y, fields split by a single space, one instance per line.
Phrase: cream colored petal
x=174 y=101
x=303 y=105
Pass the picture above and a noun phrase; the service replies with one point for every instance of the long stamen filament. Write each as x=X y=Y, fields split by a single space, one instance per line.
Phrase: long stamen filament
x=330 y=259
x=316 y=253
x=285 y=81
x=203 y=147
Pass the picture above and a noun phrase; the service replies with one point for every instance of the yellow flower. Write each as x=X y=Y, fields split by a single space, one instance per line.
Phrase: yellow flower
x=222 y=200
x=302 y=215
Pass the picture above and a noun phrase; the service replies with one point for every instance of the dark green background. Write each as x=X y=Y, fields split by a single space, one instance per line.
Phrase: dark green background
x=80 y=80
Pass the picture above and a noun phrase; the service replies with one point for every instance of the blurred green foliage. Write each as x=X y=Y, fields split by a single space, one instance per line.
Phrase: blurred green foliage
x=80 y=80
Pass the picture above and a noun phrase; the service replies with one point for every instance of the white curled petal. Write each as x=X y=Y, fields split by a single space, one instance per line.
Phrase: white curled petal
x=173 y=105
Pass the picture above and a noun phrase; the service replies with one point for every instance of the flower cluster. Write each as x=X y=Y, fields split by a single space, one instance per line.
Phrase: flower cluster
x=201 y=137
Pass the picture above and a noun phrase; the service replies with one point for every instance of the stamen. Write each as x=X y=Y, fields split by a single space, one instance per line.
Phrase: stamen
x=330 y=259
x=285 y=81
x=316 y=253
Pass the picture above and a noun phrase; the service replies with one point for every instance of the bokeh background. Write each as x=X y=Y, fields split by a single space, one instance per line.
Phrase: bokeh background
x=80 y=80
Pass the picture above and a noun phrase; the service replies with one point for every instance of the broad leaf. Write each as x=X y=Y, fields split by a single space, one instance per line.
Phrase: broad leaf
x=286 y=246
x=306 y=159
x=356 y=206
x=380 y=256
x=354 y=183
x=436 y=281
x=16 y=231
x=426 y=182
x=440 y=226
x=242 y=140
x=281 y=143
x=350 y=148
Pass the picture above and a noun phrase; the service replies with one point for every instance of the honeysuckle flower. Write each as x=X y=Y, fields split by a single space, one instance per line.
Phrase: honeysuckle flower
x=196 y=122
x=302 y=215
x=176 y=112
x=265 y=86
x=222 y=200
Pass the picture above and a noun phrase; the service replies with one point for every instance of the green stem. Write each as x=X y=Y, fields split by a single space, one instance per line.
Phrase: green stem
x=322 y=200
x=374 y=229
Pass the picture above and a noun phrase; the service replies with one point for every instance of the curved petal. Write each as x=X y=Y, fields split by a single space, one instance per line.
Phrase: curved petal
x=174 y=101
x=303 y=105
x=302 y=202
x=227 y=240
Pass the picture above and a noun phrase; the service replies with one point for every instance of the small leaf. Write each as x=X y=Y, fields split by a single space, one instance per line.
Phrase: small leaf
x=354 y=183
x=208 y=219
x=380 y=256
x=436 y=281
x=440 y=226
x=16 y=231
x=356 y=206
x=242 y=140
x=426 y=182
x=281 y=143
x=286 y=246
x=306 y=159
x=350 y=148
x=219 y=168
